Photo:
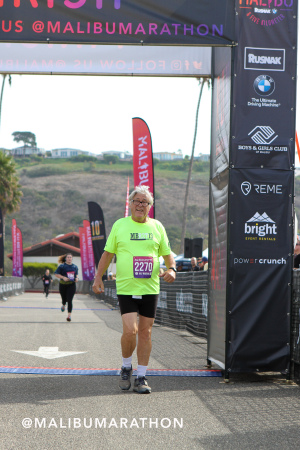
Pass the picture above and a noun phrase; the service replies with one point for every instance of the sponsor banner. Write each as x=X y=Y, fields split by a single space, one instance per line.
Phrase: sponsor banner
x=260 y=269
x=90 y=252
x=19 y=265
x=264 y=93
x=127 y=200
x=118 y=21
x=83 y=254
x=97 y=226
x=143 y=172
x=104 y=59
x=261 y=212
x=259 y=298
x=1 y=245
x=217 y=267
x=17 y=250
x=221 y=98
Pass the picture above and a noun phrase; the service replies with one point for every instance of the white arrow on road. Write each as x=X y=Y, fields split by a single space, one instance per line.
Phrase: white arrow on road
x=48 y=353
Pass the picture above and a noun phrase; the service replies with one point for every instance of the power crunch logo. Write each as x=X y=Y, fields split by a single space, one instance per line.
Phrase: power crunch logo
x=141 y=236
x=260 y=228
x=268 y=261
x=266 y=13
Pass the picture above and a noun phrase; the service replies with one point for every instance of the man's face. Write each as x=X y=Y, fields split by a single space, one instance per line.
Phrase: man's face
x=193 y=262
x=139 y=207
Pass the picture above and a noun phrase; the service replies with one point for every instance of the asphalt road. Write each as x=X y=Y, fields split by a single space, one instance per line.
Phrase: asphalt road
x=44 y=411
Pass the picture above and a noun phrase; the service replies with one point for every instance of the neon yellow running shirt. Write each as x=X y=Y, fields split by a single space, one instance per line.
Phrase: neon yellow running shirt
x=138 y=247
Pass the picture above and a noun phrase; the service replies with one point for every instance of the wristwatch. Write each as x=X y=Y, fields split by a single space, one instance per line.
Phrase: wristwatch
x=173 y=268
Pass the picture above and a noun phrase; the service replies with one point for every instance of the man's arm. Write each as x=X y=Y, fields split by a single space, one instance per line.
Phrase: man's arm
x=103 y=265
x=169 y=275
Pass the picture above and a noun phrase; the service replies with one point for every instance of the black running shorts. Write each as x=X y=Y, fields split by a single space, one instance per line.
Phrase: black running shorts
x=145 y=305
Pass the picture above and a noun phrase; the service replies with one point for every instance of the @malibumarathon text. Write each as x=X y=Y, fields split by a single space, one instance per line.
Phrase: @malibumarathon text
x=102 y=422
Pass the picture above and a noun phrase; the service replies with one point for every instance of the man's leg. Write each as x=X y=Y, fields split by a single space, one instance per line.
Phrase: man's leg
x=144 y=340
x=128 y=344
x=130 y=329
x=143 y=353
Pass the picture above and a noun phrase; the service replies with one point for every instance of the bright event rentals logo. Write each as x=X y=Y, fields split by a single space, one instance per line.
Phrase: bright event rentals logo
x=260 y=227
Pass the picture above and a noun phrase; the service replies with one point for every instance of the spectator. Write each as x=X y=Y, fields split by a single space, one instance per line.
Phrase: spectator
x=194 y=267
x=203 y=263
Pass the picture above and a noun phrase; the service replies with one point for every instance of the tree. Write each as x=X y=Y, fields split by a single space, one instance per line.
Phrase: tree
x=4 y=75
x=27 y=137
x=35 y=271
x=10 y=189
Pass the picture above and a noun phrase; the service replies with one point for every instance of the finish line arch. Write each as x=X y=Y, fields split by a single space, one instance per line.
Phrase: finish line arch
x=249 y=49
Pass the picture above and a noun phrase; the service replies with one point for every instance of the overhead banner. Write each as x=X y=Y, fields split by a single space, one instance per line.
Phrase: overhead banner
x=17 y=250
x=105 y=59
x=170 y=22
x=143 y=173
x=89 y=249
x=97 y=227
x=1 y=245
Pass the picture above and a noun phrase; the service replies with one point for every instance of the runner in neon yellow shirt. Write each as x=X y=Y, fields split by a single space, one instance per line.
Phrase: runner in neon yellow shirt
x=138 y=241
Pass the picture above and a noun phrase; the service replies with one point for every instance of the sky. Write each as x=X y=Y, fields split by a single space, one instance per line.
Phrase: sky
x=94 y=113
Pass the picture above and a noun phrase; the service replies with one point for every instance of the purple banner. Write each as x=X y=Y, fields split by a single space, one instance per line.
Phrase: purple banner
x=17 y=250
x=169 y=22
x=90 y=252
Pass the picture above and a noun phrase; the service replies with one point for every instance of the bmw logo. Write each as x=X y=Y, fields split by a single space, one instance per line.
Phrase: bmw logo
x=264 y=85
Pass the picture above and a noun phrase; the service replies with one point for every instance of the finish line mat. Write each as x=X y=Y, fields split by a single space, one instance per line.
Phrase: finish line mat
x=111 y=372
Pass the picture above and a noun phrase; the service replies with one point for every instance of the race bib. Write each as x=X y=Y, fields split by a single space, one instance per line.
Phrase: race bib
x=142 y=266
x=46 y=281
x=71 y=276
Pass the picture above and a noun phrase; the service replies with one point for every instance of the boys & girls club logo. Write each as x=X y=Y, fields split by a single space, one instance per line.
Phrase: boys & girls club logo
x=266 y=12
x=260 y=227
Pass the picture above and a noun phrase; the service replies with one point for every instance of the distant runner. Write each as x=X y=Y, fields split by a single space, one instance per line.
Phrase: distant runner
x=67 y=272
x=47 y=280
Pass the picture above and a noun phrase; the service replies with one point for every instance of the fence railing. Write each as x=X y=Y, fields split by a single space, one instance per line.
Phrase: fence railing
x=10 y=286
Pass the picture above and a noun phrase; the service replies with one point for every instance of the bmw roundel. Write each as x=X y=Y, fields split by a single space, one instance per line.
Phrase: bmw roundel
x=264 y=85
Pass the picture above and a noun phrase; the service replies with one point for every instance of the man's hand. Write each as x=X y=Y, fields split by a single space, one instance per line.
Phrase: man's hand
x=98 y=286
x=169 y=276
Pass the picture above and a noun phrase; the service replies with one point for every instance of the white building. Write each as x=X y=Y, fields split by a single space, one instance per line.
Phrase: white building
x=69 y=152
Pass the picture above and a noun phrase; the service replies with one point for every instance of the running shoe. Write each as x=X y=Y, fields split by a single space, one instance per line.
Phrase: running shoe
x=141 y=386
x=125 y=378
x=63 y=308
x=69 y=319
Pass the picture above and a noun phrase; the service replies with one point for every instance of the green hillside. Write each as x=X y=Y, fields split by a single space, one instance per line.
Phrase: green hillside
x=56 y=192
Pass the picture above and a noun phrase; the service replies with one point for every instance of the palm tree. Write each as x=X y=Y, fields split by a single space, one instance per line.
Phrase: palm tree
x=4 y=75
x=183 y=231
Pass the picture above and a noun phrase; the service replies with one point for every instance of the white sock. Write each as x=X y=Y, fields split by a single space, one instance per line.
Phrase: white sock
x=141 y=371
x=126 y=362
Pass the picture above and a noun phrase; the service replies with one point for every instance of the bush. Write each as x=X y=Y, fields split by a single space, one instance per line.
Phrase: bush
x=46 y=171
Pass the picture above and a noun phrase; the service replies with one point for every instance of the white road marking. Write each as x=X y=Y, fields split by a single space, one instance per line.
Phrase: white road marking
x=48 y=353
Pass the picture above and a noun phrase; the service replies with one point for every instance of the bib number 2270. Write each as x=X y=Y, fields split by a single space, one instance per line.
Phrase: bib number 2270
x=142 y=266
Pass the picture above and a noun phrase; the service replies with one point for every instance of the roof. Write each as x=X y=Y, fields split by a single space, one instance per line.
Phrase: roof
x=55 y=245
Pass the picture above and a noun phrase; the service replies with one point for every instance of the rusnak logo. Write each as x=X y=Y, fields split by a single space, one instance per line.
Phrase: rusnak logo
x=270 y=59
x=69 y=4
x=266 y=13
x=260 y=227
